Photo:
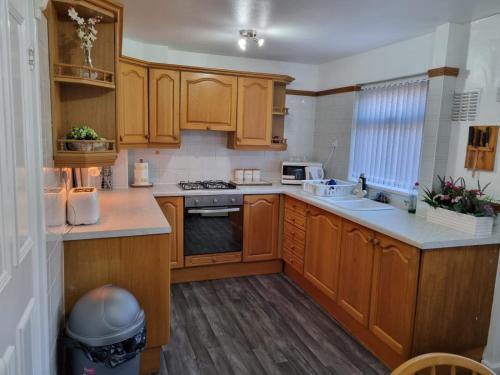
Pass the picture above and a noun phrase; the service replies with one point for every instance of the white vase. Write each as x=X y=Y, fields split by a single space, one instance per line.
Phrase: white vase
x=479 y=226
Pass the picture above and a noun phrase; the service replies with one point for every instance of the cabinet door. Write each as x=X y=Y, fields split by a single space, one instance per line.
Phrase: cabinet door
x=164 y=106
x=394 y=292
x=173 y=209
x=208 y=101
x=133 y=104
x=260 y=227
x=322 y=250
x=255 y=106
x=356 y=263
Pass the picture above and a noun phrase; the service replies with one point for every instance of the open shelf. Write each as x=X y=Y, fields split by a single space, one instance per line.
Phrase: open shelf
x=83 y=75
x=83 y=95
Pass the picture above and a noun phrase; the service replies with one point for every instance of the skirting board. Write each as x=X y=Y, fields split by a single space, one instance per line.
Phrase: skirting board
x=223 y=271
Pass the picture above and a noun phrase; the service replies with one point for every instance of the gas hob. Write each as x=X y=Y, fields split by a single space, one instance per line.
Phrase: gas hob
x=206 y=185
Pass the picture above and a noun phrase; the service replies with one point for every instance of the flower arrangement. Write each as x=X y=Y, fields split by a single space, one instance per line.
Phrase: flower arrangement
x=82 y=132
x=453 y=195
x=85 y=29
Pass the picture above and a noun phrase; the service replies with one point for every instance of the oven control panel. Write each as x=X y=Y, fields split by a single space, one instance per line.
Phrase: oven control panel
x=213 y=200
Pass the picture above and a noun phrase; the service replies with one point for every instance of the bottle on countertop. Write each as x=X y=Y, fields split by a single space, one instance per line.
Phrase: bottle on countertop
x=362 y=179
x=413 y=196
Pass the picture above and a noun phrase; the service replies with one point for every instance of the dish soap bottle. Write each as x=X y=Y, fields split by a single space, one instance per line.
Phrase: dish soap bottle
x=412 y=203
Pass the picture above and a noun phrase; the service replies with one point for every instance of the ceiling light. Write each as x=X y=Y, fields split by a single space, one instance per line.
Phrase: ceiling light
x=242 y=43
x=249 y=34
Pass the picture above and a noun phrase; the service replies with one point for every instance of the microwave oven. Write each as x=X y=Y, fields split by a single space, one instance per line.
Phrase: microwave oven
x=294 y=173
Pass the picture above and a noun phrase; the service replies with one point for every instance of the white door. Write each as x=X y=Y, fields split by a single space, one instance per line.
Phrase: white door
x=21 y=314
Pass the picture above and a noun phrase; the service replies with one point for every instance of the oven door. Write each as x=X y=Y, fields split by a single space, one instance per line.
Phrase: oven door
x=213 y=230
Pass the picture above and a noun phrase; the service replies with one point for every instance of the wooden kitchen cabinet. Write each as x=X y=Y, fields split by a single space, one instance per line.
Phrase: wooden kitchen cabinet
x=164 y=122
x=208 y=101
x=173 y=209
x=393 y=293
x=133 y=104
x=260 y=227
x=255 y=107
x=355 y=275
x=323 y=236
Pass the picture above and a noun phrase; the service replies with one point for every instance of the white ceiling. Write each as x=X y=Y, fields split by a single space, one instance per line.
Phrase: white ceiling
x=307 y=31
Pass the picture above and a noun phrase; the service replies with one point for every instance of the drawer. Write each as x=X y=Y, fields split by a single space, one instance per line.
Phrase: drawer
x=296 y=219
x=293 y=261
x=294 y=233
x=208 y=259
x=296 y=205
x=295 y=247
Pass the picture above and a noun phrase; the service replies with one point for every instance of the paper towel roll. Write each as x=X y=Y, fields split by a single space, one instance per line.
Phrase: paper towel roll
x=141 y=173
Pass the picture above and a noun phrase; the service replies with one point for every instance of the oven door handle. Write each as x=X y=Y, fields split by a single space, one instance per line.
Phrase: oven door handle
x=213 y=211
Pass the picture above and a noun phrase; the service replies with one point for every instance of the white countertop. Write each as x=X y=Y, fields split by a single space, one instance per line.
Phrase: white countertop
x=134 y=212
x=124 y=212
x=396 y=223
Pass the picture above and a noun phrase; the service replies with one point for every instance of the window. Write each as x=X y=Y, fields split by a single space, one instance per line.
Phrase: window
x=387 y=135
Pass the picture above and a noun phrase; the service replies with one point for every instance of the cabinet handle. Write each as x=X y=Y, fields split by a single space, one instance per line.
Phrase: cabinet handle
x=208 y=127
x=146 y=136
x=376 y=241
x=371 y=239
x=238 y=139
x=175 y=138
x=121 y=138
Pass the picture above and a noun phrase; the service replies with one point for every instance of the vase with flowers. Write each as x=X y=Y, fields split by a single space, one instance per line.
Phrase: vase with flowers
x=87 y=33
x=455 y=206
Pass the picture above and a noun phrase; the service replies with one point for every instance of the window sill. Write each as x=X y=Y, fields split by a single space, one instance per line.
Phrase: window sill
x=386 y=189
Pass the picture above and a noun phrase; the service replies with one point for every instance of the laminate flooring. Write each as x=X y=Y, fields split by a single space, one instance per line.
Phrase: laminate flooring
x=257 y=325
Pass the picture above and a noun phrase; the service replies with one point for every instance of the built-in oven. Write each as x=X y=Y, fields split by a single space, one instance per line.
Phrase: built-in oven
x=213 y=224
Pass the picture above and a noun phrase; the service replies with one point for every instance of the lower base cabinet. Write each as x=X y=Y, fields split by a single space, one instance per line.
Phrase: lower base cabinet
x=399 y=301
x=260 y=227
x=355 y=273
x=322 y=250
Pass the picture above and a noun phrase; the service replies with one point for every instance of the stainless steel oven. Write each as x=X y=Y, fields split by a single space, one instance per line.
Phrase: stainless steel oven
x=213 y=224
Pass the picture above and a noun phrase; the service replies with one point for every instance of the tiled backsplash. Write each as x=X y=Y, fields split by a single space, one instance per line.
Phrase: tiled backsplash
x=204 y=155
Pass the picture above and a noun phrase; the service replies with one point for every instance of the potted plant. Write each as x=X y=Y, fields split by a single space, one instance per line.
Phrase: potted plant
x=84 y=133
x=459 y=208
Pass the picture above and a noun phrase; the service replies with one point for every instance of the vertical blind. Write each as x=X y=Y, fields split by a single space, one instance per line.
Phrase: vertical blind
x=387 y=137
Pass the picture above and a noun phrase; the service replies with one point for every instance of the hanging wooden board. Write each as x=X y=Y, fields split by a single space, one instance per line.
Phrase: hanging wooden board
x=481 y=148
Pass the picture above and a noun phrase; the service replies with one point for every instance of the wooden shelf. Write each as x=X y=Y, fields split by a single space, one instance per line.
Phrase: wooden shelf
x=84 y=159
x=271 y=147
x=85 y=9
x=83 y=75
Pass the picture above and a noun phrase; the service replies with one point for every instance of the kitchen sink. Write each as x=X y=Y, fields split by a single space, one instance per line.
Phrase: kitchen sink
x=358 y=204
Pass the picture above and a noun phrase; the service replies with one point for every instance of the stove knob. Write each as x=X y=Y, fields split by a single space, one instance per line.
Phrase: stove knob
x=196 y=201
x=215 y=200
x=233 y=200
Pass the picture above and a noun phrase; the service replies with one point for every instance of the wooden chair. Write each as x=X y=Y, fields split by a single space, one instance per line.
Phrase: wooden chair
x=432 y=361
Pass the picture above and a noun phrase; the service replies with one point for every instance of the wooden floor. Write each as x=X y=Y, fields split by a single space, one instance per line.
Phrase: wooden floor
x=257 y=325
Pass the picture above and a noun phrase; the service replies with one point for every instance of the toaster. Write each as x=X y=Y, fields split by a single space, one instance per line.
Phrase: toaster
x=83 y=206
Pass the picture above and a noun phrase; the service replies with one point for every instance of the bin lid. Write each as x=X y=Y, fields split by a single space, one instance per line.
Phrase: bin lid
x=104 y=316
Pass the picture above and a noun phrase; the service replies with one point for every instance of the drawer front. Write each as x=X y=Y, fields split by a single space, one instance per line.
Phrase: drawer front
x=295 y=205
x=208 y=259
x=294 y=261
x=295 y=247
x=294 y=233
x=295 y=219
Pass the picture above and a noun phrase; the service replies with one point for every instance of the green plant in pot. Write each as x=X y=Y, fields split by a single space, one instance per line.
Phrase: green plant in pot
x=456 y=206
x=84 y=133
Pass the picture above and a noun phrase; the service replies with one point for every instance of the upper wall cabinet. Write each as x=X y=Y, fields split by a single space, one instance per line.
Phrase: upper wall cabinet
x=255 y=105
x=164 y=106
x=83 y=93
x=133 y=104
x=208 y=101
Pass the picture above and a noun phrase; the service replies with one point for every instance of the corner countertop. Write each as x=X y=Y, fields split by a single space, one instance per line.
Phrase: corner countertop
x=124 y=212
x=397 y=223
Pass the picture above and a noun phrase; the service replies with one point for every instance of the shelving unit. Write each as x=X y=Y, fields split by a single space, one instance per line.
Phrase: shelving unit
x=279 y=112
x=83 y=95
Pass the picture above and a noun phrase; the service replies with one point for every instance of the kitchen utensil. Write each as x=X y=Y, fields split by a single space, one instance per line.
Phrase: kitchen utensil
x=239 y=174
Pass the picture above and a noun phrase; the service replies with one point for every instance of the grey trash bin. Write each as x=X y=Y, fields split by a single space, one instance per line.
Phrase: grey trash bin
x=106 y=331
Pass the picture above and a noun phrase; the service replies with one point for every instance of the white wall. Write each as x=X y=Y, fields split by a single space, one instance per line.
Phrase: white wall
x=482 y=72
x=306 y=76
x=409 y=57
